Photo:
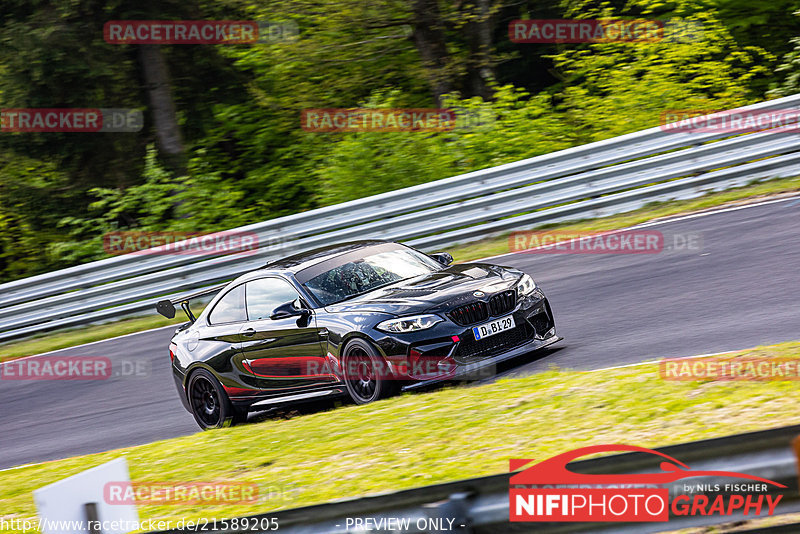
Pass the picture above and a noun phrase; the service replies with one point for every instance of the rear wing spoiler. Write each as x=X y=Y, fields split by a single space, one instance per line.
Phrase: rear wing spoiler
x=167 y=307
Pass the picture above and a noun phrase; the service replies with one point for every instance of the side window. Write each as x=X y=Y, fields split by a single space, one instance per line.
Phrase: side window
x=266 y=294
x=230 y=308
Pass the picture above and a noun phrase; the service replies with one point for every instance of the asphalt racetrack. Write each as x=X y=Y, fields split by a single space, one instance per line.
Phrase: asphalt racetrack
x=738 y=289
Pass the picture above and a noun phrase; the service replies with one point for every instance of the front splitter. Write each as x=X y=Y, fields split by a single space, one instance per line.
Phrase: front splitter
x=477 y=370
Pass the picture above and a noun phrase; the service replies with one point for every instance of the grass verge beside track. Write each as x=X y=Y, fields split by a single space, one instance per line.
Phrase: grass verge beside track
x=468 y=252
x=420 y=439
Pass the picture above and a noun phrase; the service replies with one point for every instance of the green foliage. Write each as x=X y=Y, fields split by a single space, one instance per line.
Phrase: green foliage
x=615 y=88
x=239 y=106
x=512 y=127
x=789 y=70
x=768 y=25
x=32 y=200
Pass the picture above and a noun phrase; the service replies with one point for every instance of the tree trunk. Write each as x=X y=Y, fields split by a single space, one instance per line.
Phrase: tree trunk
x=430 y=41
x=165 y=120
x=479 y=36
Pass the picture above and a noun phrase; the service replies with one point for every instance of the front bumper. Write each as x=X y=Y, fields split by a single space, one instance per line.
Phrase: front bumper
x=449 y=350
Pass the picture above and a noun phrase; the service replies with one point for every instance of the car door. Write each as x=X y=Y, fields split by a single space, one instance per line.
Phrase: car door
x=218 y=342
x=283 y=353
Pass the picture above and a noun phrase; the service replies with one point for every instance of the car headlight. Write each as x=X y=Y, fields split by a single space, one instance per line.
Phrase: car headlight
x=526 y=285
x=409 y=324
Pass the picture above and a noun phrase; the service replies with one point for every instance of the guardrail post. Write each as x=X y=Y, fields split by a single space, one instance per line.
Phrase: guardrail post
x=455 y=509
x=796 y=448
x=92 y=518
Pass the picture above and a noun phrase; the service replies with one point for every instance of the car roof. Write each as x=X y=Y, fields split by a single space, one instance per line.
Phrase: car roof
x=303 y=260
x=287 y=267
x=291 y=265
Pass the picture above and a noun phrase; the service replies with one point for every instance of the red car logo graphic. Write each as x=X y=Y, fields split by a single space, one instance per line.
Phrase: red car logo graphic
x=554 y=470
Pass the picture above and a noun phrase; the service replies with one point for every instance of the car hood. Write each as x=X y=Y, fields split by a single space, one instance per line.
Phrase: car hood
x=437 y=291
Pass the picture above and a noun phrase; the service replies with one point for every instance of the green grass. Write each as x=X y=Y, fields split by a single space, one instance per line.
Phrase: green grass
x=77 y=336
x=467 y=252
x=420 y=439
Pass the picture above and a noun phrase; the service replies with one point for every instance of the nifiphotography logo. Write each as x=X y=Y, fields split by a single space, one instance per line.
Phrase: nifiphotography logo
x=549 y=492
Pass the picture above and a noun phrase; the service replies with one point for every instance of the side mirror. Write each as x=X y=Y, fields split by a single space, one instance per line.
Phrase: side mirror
x=442 y=257
x=290 y=309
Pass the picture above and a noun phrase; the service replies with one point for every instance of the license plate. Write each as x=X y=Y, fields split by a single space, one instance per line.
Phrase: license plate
x=494 y=327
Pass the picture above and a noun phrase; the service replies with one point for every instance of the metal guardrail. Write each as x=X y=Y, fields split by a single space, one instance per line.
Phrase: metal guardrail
x=597 y=179
x=480 y=505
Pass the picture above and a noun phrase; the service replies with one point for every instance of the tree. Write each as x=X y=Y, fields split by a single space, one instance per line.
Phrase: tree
x=790 y=70
x=617 y=87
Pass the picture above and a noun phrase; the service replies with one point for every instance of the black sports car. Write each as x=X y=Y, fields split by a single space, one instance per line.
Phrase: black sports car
x=361 y=319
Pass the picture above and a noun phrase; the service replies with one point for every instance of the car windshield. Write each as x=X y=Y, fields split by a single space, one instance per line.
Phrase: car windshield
x=370 y=272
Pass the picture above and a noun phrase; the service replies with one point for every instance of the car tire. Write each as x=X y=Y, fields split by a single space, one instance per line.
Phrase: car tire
x=365 y=372
x=208 y=401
